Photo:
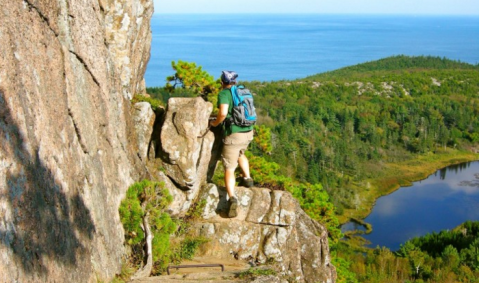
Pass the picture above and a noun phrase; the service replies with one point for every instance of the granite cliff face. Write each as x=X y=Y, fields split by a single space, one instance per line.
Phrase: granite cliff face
x=71 y=144
x=68 y=151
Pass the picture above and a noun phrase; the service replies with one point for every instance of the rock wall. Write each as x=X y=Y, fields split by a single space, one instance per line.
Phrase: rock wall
x=67 y=148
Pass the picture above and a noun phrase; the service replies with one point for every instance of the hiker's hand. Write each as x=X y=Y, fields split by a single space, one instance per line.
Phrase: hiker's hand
x=213 y=123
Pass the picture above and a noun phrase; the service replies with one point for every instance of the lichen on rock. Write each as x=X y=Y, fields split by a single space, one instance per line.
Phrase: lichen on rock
x=68 y=150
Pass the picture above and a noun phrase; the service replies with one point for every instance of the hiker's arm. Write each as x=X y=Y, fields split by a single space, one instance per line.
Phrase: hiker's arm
x=223 y=111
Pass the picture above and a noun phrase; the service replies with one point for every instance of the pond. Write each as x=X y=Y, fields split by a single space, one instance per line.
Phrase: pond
x=444 y=200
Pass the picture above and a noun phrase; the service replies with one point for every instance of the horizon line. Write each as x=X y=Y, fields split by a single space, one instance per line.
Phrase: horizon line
x=316 y=13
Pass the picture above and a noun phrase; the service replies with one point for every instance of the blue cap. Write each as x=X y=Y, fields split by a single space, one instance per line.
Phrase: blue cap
x=228 y=77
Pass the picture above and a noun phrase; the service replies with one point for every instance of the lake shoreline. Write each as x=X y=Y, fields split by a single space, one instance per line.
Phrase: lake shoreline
x=409 y=171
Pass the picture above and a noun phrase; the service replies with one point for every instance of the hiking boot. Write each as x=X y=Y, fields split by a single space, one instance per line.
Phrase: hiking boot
x=246 y=182
x=233 y=207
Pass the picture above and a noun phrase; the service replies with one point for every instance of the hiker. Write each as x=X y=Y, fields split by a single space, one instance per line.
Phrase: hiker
x=235 y=141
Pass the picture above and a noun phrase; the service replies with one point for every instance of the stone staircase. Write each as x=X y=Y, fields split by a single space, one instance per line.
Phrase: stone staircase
x=216 y=277
x=232 y=269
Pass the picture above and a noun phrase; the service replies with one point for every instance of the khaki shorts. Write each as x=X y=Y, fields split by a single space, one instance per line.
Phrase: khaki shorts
x=234 y=146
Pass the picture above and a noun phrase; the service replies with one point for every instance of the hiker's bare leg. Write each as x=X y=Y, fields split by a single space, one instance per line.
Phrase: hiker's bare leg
x=230 y=182
x=244 y=165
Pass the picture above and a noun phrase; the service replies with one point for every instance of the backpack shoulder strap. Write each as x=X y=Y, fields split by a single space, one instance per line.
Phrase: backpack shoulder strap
x=234 y=94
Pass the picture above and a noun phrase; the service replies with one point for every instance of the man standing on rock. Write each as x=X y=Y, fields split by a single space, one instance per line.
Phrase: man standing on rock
x=235 y=141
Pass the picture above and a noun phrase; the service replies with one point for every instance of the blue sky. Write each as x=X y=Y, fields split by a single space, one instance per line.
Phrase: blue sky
x=413 y=7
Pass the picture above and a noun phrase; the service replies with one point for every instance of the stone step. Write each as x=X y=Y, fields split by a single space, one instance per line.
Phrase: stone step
x=202 y=274
x=209 y=277
x=232 y=269
x=206 y=277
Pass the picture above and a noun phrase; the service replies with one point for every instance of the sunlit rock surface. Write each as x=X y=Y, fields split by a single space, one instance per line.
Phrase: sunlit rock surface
x=270 y=227
x=68 y=150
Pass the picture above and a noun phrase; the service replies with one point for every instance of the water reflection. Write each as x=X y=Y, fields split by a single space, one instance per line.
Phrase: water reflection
x=472 y=183
x=456 y=168
x=352 y=226
x=442 y=201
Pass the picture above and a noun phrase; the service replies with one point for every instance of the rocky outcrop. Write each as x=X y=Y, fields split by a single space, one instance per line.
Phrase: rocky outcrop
x=144 y=120
x=183 y=149
x=270 y=226
x=67 y=147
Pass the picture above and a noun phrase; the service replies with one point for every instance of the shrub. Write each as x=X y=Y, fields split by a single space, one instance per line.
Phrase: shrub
x=147 y=198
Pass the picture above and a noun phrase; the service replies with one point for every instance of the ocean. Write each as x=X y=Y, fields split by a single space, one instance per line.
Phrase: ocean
x=285 y=47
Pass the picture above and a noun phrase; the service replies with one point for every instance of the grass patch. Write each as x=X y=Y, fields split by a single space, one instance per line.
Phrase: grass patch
x=125 y=274
x=185 y=242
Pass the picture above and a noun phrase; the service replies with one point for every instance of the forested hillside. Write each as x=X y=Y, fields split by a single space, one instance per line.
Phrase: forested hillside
x=350 y=129
x=447 y=256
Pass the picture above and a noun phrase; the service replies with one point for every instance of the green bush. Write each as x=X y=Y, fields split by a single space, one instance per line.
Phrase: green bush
x=194 y=79
x=147 y=197
x=154 y=102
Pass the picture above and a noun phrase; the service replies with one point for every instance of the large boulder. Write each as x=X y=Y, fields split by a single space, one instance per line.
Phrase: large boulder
x=68 y=151
x=270 y=227
x=184 y=150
